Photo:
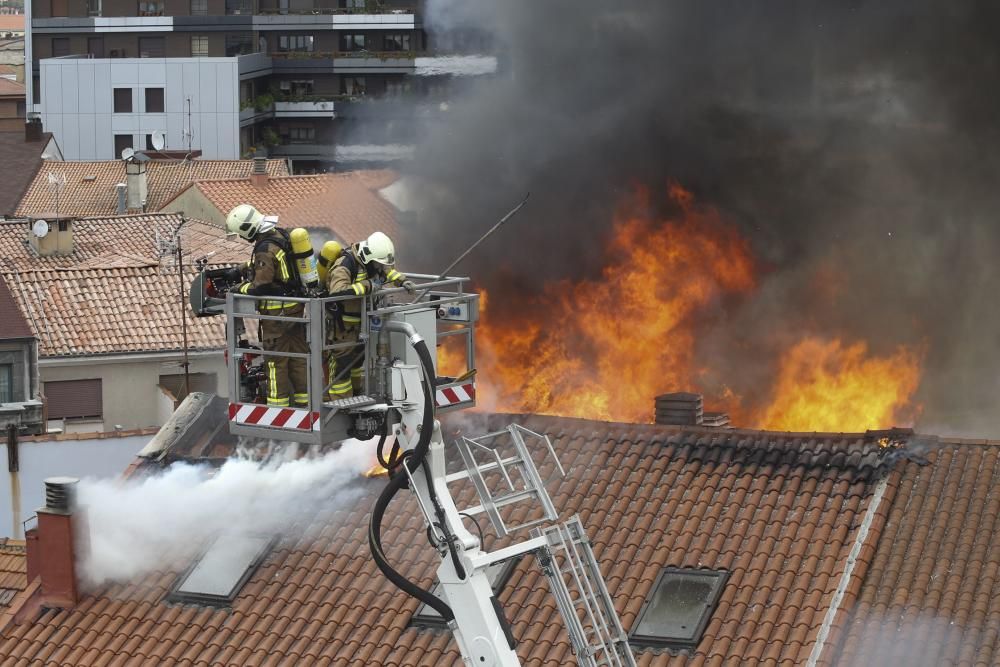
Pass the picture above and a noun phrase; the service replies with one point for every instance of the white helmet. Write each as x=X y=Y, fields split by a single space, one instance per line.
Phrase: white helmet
x=247 y=222
x=377 y=248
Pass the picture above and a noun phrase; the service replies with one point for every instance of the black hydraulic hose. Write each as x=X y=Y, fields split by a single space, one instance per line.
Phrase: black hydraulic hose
x=398 y=481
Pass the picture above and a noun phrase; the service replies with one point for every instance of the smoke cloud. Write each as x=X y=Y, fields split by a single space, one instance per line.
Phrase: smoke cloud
x=163 y=521
x=853 y=143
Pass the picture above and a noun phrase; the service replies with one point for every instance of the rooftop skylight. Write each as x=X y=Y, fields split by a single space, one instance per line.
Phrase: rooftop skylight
x=678 y=608
x=217 y=577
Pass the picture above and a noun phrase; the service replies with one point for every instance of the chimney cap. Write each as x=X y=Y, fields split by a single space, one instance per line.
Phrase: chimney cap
x=59 y=493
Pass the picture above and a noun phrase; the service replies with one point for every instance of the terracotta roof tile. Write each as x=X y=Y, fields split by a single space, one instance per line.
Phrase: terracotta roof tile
x=347 y=204
x=13 y=570
x=931 y=595
x=80 y=303
x=782 y=515
x=90 y=186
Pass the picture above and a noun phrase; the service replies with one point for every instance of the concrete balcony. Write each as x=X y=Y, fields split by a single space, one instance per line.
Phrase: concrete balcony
x=305 y=109
x=251 y=115
x=331 y=19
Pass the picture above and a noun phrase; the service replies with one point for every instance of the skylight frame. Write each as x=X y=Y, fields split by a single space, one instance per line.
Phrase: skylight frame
x=717 y=580
x=179 y=596
x=427 y=618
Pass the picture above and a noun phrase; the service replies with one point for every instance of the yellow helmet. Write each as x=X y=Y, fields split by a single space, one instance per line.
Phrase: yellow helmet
x=247 y=222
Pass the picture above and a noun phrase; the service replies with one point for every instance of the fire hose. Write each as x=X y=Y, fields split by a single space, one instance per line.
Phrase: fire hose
x=412 y=460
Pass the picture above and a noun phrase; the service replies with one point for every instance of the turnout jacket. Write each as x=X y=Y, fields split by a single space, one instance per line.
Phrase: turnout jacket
x=348 y=273
x=271 y=273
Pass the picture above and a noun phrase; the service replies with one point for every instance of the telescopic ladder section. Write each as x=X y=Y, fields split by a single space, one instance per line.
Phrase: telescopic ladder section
x=581 y=596
x=516 y=474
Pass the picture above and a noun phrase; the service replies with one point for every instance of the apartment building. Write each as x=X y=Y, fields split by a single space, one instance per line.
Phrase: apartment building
x=231 y=78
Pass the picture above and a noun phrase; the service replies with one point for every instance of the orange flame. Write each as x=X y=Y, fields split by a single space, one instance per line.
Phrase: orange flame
x=825 y=386
x=607 y=345
x=375 y=471
x=603 y=347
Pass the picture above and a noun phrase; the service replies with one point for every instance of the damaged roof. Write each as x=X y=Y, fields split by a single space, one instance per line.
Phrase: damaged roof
x=90 y=186
x=825 y=537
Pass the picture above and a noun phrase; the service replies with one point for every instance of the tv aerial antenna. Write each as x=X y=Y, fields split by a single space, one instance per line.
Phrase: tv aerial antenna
x=56 y=181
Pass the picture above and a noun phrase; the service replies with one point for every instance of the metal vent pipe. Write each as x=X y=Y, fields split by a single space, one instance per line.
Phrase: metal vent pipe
x=60 y=493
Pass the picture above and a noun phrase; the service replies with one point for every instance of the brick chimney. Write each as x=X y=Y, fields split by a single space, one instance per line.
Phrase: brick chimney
x=52 y=545
x=258 y=177
x=33 y=129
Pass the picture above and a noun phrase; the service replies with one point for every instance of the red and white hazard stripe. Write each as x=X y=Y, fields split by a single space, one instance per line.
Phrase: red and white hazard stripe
x=261 y=415
x=463 y=393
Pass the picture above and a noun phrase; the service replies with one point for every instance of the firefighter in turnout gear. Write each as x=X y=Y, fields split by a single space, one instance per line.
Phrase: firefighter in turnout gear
x=362 y=269
x=271 y=272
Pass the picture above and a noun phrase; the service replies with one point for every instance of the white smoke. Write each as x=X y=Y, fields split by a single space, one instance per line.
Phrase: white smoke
x=161 y=522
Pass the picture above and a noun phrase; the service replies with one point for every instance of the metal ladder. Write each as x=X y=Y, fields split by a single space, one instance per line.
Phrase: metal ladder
x=518 y=473
x=582 y=597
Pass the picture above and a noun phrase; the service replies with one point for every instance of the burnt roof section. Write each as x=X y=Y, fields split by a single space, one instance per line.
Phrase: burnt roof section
x=780 y=512
x=12 y=322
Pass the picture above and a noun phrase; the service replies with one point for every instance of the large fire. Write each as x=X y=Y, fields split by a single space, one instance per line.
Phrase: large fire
x=609 y=343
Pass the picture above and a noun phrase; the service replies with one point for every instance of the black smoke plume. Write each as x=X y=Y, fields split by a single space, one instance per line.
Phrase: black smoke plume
x=854 y=143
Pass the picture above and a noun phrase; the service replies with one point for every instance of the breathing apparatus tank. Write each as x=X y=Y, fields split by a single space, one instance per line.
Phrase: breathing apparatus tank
x=302 y=254
x=327 y=256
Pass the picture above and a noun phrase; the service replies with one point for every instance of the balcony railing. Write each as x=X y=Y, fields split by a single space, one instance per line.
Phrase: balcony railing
x=330 y=55
x=318 y=11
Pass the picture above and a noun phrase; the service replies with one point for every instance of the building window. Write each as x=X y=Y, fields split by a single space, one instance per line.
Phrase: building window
x=239 y=44
x=150 y=8
x=122 y=141
x=238 y=7
x=397 y=42
x=199 y=46
x=60 y=47
x=352 y=41
x=95 y=47
x=295 y=43
x=352 y=85
x=6 y=383
x=152 y=47
x=216 y=578
x=354 y=4
x=93 y=7
x=154 y=100
x=74 y=399
x=498 y=575
x=199 y=7
x=677 y=611
x=123 y=100
x=301 y=135
x=302 y=87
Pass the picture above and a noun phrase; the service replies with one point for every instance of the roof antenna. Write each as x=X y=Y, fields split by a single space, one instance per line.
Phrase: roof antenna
x=444 y=274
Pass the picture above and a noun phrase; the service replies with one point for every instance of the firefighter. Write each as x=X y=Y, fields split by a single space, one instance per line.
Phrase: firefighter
x=361 y=269
x=271 y=272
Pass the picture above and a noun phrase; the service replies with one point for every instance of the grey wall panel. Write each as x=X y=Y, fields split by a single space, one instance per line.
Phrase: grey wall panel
x=87 y=132
x=85 y=75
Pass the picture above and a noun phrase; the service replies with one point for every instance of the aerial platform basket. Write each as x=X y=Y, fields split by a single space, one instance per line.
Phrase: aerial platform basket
x=444 y=310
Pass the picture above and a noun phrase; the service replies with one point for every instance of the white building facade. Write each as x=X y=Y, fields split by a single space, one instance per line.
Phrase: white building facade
x=97 y=107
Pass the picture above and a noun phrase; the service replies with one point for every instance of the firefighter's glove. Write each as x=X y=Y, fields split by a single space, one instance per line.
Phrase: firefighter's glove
x=409 y=286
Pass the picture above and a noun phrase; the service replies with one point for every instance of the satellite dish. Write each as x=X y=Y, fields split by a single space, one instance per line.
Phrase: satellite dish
x=40 y=228
x=158 y=140
x=127 y=153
